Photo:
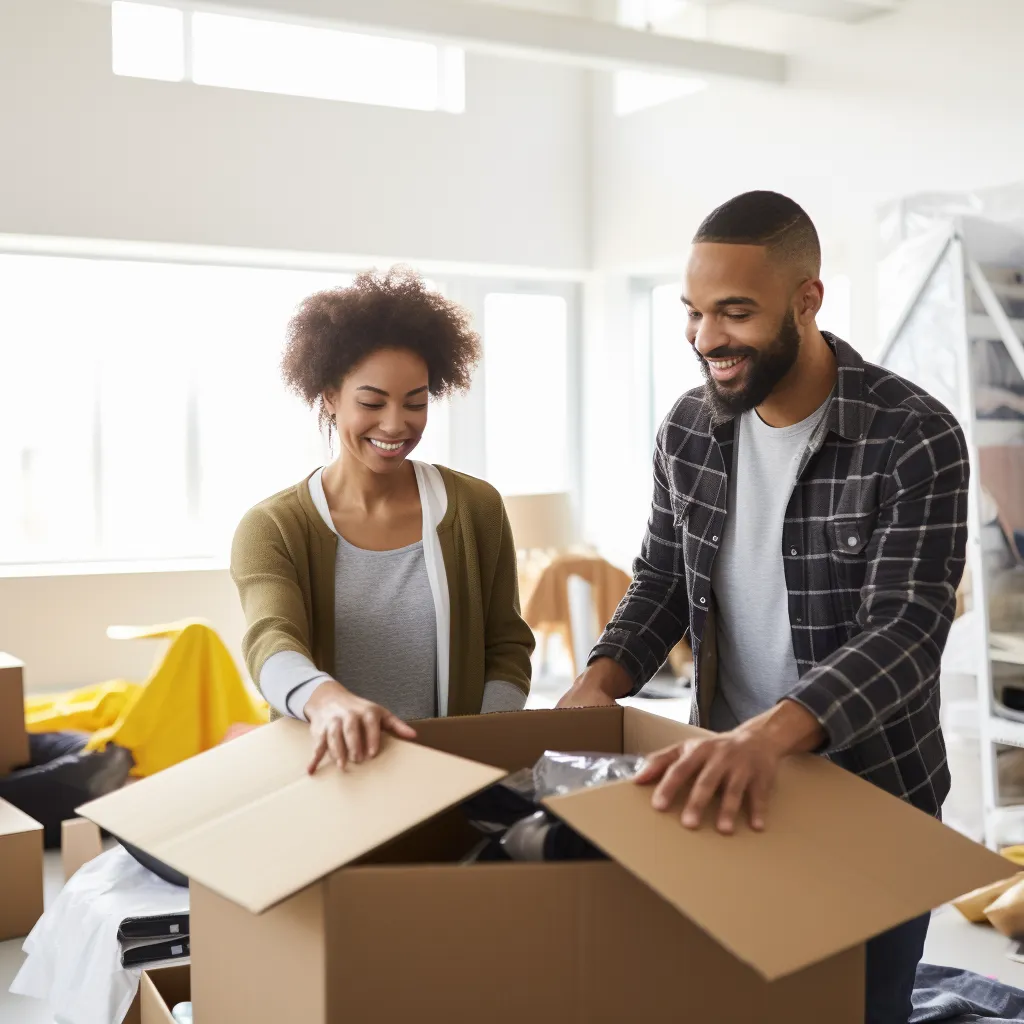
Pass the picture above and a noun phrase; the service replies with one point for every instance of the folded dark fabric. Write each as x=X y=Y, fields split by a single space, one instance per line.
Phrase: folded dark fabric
x=520 y=829
x=960 y=997
x=158 y=867
x=61 y=777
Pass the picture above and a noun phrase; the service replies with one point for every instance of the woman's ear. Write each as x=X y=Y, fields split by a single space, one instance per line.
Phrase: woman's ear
x=329 y=404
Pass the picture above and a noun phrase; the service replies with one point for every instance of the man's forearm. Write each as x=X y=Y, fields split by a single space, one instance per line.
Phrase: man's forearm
x=789 y=728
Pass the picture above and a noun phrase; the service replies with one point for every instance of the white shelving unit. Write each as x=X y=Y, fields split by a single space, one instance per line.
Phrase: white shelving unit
x=968 y=294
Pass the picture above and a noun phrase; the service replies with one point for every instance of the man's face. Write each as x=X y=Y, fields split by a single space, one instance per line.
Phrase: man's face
x=740 y=321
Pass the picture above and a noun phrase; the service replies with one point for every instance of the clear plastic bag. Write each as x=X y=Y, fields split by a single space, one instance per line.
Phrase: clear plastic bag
x=558 y=773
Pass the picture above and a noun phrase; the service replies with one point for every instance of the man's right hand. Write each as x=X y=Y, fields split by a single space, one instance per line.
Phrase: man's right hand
x=347 y=727
x=601 y=684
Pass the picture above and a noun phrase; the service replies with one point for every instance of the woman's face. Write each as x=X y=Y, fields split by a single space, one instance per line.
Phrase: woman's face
x=381 y=408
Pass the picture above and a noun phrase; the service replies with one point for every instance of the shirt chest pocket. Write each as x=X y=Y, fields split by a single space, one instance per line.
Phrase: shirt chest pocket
x=848 y=539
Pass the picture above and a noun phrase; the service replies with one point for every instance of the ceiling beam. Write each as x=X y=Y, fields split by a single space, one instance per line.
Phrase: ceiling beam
x=514 y=32
x=832 y=10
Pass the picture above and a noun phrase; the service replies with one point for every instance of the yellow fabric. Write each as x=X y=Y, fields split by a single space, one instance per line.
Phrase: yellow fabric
x=185 y=707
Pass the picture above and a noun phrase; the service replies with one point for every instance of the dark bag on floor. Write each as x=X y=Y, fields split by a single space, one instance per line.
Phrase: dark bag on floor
x=62 y=776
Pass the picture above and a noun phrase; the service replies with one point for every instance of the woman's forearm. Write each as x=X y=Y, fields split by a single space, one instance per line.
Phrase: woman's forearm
x=287 y=681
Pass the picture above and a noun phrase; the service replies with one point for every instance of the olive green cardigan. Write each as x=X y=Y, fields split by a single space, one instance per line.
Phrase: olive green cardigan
x=283 y=563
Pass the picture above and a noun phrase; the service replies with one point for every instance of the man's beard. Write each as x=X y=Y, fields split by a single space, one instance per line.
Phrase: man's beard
x=765 y=368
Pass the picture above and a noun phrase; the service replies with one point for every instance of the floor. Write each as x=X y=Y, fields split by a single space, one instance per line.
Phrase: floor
x=951 y=940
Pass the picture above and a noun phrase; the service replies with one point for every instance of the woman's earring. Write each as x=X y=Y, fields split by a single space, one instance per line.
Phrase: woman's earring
x=334 y=421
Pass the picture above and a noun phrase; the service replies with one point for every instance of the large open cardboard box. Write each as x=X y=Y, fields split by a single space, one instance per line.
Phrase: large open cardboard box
x=13 y=737
x=337 y=897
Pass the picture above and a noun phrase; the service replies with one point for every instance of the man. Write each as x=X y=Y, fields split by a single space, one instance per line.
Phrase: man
x=808 y=531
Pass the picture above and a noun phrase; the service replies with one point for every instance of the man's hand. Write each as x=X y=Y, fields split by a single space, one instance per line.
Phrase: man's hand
x=741 y=765
x=600 y=685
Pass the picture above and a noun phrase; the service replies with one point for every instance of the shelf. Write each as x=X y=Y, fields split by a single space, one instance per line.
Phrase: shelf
x=981 y=327
x=1005 y=731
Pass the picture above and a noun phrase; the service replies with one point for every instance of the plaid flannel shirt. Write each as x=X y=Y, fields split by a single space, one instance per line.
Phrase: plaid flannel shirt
x=873 y=547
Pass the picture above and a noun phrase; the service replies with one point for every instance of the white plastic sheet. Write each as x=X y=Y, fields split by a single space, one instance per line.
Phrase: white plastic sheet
x=74 y=959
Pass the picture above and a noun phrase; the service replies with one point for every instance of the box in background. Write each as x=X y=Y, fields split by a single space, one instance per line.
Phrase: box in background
x=80 y=842
x=13 y=737
x=21 y=872
x=349 y=886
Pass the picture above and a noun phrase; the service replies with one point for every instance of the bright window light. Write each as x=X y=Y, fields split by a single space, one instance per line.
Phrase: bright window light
x=835 y=312
x=148 y=41
x=452 y=79
x=639 y=90
x=168 y=43
x=526 y=389
x=266 y=56
x=674 y=366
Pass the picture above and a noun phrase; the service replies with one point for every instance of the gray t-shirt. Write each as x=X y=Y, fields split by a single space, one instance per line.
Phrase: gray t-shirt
x=756 y=664
x=385 y=635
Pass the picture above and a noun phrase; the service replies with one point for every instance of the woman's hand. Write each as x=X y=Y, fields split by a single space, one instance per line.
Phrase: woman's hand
x=348 y=727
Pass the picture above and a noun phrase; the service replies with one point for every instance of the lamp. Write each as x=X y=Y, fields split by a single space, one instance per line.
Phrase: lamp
x=541 y=522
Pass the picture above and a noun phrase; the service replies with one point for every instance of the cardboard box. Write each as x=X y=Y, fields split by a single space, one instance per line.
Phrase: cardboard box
x=160 y=990
x=80 y=841
x=13 y=738
x=346 y=884
x=21 y=872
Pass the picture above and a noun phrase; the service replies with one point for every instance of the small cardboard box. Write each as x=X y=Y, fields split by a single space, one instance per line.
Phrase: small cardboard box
x=80 y=842
x=21 y=872
x=347 y=884
x=13 y=738
x=160 y=990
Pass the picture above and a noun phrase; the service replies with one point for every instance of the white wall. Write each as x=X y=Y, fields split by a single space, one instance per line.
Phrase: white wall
x=928 y=99
x=57 y=624
x=85 y=153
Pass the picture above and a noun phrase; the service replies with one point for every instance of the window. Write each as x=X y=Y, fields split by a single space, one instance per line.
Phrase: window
x=639 y=90
x=835 y=313
x=674 y=366
x=144 y=412
x=526 y=389
x=151 y=41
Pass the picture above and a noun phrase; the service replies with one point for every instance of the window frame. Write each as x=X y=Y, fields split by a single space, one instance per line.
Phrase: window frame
x=466 y=284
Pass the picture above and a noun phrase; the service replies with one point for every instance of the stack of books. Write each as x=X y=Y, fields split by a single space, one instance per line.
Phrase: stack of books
x=151 y=941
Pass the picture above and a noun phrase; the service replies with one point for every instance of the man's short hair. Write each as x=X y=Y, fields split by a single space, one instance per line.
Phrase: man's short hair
x=766 y=219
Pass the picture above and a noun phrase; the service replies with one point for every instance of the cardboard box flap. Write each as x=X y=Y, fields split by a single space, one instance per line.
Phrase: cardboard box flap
x=247 y=821
x=840 y=862
x=14 y=821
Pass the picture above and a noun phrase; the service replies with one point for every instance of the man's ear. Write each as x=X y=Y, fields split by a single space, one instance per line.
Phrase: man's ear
x=809 y=299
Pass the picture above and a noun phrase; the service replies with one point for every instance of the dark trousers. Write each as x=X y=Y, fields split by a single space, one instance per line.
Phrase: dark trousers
x=892 y=960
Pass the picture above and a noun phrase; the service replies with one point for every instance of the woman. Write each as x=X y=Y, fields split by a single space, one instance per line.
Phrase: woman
x=380 y=590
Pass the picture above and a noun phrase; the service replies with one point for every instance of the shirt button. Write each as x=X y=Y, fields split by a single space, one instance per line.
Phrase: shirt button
x=714 y=540
x=852 y=541
x=792 y=551
x=703 y=601
x=799 y=620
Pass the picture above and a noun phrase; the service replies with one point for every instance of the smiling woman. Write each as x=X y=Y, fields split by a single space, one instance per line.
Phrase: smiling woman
x=380 y=589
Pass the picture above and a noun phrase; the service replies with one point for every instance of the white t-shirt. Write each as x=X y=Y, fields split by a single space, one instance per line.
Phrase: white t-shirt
x=756 y=664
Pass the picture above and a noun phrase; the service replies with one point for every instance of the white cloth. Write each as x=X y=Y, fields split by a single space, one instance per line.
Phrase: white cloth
x=756 y=663
x=74 y=958
x=288 y=679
